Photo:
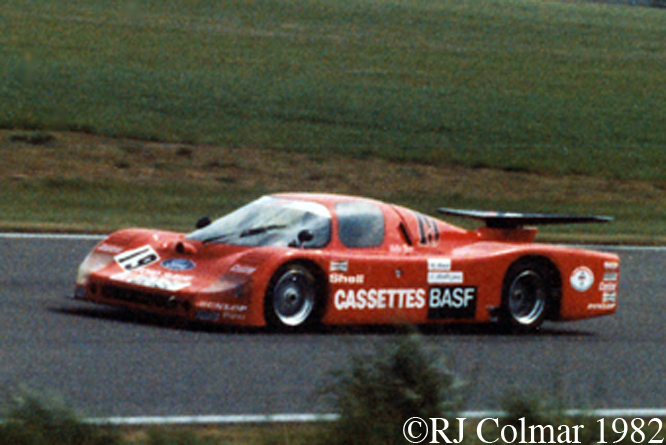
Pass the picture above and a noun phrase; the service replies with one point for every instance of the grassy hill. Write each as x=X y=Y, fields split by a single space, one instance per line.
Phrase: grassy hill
x=555 y=89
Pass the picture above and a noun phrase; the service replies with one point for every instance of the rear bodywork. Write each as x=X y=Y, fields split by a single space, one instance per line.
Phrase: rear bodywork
x=406 y=268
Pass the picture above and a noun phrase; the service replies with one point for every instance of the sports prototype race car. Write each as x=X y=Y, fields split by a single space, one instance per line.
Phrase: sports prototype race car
x=291 y=261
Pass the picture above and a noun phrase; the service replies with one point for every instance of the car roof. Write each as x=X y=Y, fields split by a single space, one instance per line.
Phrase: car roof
x=328 y=199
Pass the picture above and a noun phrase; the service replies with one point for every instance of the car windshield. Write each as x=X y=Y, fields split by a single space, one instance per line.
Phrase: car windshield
x=271 y=221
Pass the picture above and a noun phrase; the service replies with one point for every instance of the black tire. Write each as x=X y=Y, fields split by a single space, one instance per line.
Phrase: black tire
x=526 y=296
x=292 y=301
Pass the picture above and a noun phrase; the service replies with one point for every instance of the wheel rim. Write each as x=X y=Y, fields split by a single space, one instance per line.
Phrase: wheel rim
x=527 y=298
x=293 y=298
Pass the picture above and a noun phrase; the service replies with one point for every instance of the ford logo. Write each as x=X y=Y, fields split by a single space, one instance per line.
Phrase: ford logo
x=178 y=264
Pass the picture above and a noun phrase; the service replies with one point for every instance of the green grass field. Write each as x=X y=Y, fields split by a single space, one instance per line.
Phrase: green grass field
x=553 y=88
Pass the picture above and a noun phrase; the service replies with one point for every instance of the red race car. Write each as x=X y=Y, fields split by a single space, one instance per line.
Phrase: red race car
x=291 y=261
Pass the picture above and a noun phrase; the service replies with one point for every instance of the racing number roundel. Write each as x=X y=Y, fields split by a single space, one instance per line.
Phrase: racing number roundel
x=582 y=278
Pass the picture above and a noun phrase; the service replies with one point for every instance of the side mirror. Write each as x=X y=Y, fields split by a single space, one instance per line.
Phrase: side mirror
x=203 y=222
x=304 y=236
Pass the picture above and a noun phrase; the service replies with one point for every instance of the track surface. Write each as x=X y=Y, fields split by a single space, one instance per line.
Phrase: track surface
x=106 y=363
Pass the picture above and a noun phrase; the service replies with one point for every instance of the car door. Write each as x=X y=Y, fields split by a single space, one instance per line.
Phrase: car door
x=374 y=276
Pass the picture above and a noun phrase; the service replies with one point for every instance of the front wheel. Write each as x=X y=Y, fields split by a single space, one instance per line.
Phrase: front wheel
x=525 y=296
x=291 y=300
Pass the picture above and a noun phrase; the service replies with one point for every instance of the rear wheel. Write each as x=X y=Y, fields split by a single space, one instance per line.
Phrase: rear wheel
x=291 y=300
x=525 y=296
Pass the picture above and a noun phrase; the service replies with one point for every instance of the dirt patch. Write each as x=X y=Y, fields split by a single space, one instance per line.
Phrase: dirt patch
x=35 y=156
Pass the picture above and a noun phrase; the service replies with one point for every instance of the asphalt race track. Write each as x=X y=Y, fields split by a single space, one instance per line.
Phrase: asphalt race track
x=105 y=362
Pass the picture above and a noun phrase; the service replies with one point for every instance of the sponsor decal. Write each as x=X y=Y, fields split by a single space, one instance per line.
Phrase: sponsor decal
x=439 y=272
x=214 y=310
x=339 y=266
x=221 y=306
x=137 y=258
x=611 y=276
x=607 y=287
x=399 y=248
x=582 y=278
x=439 y=264
x=338 y=278
x=178 y=264
x=359 y=299
x=242 y=269
x=600 y=306
x=452 y=302
x=611 y=265
x=155 y=279
x=445 y=277
x=609 y=297
x=109 y=248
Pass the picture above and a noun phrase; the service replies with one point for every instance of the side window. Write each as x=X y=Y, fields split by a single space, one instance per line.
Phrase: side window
x=360 y=224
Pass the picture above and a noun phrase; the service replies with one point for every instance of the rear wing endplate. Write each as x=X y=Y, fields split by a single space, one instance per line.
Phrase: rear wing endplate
x=510 y=220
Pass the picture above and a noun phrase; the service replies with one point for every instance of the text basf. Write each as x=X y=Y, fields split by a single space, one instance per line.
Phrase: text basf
x=452 y=302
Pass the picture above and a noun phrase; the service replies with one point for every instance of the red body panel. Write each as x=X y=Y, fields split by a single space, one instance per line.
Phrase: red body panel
x=424 y=271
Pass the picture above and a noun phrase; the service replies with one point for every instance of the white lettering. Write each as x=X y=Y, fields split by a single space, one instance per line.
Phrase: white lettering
x=218 y=306
x=439 y=432
x=445 y=277
x=372 y=299
x=420 y=298
x=338 y=300
x=479 y=430
x=451 y=297
x=379 y=299
x=409 y=298
x=528 y=434
x=361 y=300
x=154 y=279
x=611 y=265
x=607 y=287
x=351 y=301
x=338 y=278
x=439 y=264
x=137 y=258
x=514 y=434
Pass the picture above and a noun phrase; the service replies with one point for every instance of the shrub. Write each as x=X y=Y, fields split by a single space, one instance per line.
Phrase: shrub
x=531 y=410
x=30 y=421
x=376 y=393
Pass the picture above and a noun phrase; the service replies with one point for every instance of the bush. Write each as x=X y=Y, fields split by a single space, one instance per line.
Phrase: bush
x=29 y=421
x=378 y=392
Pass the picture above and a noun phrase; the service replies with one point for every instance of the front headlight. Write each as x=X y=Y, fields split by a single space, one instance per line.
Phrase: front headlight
x=94 y=261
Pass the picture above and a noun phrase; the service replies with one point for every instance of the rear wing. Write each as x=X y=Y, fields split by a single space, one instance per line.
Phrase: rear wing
x=510 y=220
